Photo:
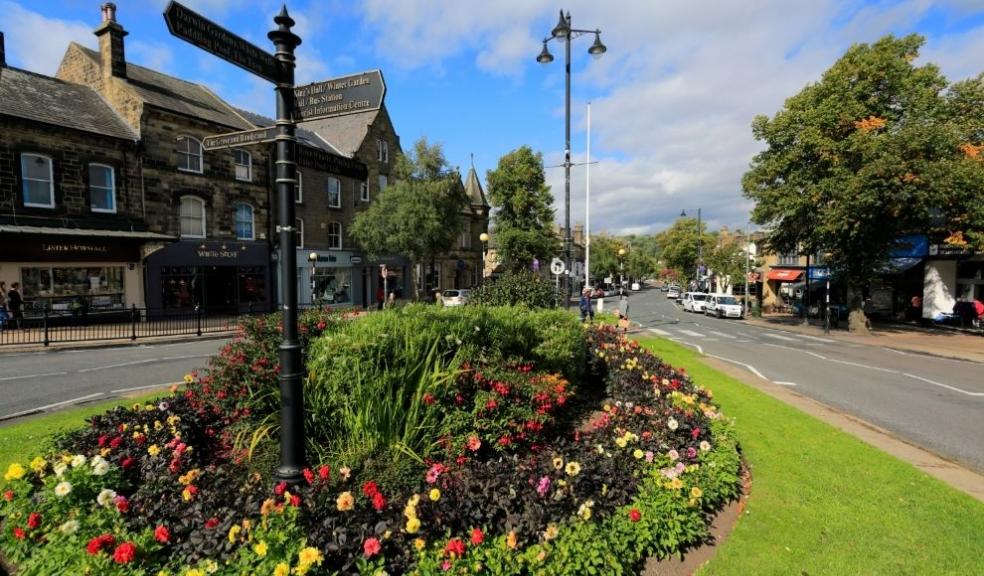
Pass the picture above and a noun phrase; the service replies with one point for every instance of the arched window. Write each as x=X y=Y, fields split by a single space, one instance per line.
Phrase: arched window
x=192 y=217
x=38 y=183
x=102 y=188
x=189 y=154
x=334 y=235
x=244 y=222
x=244 y=165
x=334 y=192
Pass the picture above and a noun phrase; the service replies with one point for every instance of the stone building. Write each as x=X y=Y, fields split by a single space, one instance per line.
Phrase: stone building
x=463 y=267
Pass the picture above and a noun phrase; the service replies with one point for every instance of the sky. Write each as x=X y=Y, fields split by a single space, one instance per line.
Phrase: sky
x=672 y=100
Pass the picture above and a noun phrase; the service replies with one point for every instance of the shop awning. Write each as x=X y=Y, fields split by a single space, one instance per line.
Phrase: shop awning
x=784 y=274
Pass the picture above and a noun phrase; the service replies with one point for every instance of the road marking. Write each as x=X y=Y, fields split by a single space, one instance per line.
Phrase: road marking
x=942 y=385
x=685 y=343
x=814 y=354
x=187 y=356
x=817 y=338
x=899 y=352
x=50 y=406
x=722 y=334
x=121 y=365
x=743 y=340
x=748 y=366
x=784 y=383
x=6 y=378
x=691 y=333
x=859 y=365
x=135 y=388
x=659 y=332
x=779 y=336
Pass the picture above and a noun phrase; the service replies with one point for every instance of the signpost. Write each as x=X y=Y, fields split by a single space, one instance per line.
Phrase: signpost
x=244 y=138
x=327 y=162
x=339 y=96
x=279 y=69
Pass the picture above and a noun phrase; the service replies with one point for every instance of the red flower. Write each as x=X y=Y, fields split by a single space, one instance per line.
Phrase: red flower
x=162 y=534
x=99 y=542
x=122 y=504
x=115 y=442
x=102 y=440
x=127 y=462
x=280 y=488
x=19 y=533
x=309 y=475
x=371 y=547
x=491 y=404
x=33 y=520
x=378 y=501
x=321 y=325
x=295 y=500
x=8 y=495
x=635 y=515
x=370 y=489
x=125 y=552
x=211 y=522
x=477 y=536
x=473 y=443
x=324 y=473
x=455 y=546
x=428 y=399
x=695 y=433
x=505 y=440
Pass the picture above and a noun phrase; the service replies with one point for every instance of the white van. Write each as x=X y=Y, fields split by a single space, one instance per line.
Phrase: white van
x=693 y=301
x=723 y=306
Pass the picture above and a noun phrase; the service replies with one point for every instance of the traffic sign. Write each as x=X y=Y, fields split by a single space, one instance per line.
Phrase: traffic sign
x=244 y=138
x=339 y=96
x=209 y=36
x=557 y=266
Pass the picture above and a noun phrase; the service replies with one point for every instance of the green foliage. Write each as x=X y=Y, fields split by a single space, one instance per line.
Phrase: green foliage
x=524 y=218
x=678 y=246
x=522 y=288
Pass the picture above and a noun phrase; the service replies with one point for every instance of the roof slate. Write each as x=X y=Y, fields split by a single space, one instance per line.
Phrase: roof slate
x=49 y=100
x=345 y=133
x=176 y=95
x=304 y=136
x=474 y=189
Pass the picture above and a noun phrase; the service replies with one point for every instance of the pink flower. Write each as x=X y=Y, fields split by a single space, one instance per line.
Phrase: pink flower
x=445 y=565
x=371 y=547
x=474 y=443
x=434 y=472
x=309 y=475
x=543 y=486
x=122 y=504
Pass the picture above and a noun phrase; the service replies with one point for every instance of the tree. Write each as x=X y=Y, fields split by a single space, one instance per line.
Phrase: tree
x=862 y=157
x=419 y=214
x=678 y=246
x=524 y=220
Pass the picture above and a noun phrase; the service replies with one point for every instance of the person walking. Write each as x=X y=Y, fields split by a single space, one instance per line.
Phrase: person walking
x=15 y=304
x=3 y=304
x=587 y=312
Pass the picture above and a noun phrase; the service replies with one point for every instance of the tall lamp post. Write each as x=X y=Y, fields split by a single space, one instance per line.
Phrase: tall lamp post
x=484 y=237
x=621 y=272
x=563 y=32
x=683 y=214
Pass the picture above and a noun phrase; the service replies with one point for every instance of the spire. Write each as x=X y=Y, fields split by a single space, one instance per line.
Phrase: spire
x=474 y=188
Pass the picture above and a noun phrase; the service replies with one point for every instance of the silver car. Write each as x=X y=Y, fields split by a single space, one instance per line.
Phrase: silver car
x=455 y=297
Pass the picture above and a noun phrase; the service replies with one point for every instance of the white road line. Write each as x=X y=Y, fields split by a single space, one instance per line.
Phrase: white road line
x=50 y=406
x=6 y=378
x=899 y=352
x=778 y=336
x=784 y=383
x=748 y=366
x=121 y=365
x=659 y=332
x=691 y=333
x=817 y=338
x=187 y=357
x=743 y=340
x=814 y=354
x=135 y=388
x=722 y=334
x=859 y=365
x=940 y=384
x=685 y=343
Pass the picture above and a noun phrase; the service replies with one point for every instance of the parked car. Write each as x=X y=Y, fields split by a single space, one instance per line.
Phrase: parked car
x=693 y=301
x=455 y=297
x=723 y=305
x=636 y=287
x=673 y=292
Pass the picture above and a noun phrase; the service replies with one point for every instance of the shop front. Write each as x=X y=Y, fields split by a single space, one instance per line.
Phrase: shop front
x=88 y=272
x=329 y=278
x=218 y=277
x=780 y=284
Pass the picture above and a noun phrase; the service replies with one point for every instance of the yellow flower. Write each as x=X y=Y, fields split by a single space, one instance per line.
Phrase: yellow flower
x=696 y=492
x=572 y=468
x=309 y=556
x=173 y=419
x=158 y=425
x=621 y=441
x=414 y=500
x=260 y=548
x=39 y=465
x=511 y=540
x=105 y=451
x=14 y=472
x=676 y=484
x=189 y=378
x=136 y=407
x=434 y=495
x=413 y=525
x=551 y=532
x=187 y=495
x=345 y=501
x=267 y=506
x=282 y=569
x=419 y=543
x=637 y=454
x=558 y=462
x=154 y=450
x=194 y=572
x=234 y=533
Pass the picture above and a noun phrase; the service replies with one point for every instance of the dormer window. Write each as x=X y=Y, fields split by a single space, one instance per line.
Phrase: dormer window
x=189 y=154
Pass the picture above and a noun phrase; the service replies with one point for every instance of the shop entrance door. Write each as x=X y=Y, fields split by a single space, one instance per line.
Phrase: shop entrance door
x=220 y=289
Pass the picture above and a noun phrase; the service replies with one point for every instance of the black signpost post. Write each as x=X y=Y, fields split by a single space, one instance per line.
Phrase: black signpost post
x=279 y=69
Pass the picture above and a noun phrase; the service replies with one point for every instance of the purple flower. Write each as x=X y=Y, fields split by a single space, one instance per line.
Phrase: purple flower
x=544 y=486
x=691 y=453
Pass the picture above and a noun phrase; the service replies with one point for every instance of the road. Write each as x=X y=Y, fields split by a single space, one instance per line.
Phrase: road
x=934 y=403
x=40 y=381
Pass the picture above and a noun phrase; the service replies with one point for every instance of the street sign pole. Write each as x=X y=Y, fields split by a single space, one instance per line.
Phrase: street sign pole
x=292 y=459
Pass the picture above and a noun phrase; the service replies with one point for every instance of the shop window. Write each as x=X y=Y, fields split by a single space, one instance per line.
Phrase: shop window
x=334 y=236
x=334 y=193
x=244 y=222
x=364 y=191
x=382 y=151
x=181 y=286
x=244 y=165
x=251 y=285
x=38 y=181
x=383 y=182
x=72 y=290
x=332 y=285
x=102 y=188
x=189 y=154
x=299 y=231
x=299 y=189
x=192 y=217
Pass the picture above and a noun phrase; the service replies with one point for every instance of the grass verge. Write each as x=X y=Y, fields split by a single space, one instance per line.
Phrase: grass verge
x=23 y=441
x=823 y=502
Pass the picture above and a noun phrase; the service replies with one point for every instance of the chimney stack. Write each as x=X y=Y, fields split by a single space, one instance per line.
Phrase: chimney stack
x=110 y=34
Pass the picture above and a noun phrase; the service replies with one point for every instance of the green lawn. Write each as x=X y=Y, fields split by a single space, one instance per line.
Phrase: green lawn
x=823 y=502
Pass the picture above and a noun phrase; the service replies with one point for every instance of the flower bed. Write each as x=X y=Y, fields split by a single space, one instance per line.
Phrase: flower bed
x=509 y=484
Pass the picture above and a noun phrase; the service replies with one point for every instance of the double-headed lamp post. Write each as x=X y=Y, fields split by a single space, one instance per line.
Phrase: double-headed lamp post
x=484 y=237
x=563 y=32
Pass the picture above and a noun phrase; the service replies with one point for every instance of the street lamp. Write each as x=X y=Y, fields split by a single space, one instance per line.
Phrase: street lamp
x=683 y=214
x=313 y=259
x=621 y=274
x=563 y=32
x=484 y=237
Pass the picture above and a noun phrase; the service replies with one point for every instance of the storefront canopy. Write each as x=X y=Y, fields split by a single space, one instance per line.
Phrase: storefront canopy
x=784 y=274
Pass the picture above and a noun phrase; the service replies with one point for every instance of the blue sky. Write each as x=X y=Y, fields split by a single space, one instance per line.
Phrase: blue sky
x=673 y=98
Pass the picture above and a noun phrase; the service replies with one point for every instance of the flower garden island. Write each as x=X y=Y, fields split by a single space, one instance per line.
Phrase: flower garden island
x=478 y=440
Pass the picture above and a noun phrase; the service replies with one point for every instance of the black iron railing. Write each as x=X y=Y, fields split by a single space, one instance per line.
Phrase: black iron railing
x=125 y=324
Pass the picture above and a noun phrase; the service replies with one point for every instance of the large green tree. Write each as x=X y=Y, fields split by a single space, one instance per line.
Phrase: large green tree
x=678 y=246
x=872 y=151
x=418 y=215
x=524 y=219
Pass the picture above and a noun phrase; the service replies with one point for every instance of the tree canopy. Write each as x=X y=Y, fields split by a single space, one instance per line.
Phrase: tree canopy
x=524 y=220
x=876 y=149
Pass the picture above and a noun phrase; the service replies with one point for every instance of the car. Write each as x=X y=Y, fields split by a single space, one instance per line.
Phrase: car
x=456 y=297
x=673 y=292
x=693 y=301
x=723 y=306
x=636 y=287
x=664 y=287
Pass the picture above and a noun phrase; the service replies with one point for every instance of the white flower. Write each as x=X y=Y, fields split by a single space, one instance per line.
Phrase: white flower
x=705 y=446
x=60 y=468
x=672 y=424
x=70 y=527
x=78 y=460
x=100 y=466
x=163 y=406
x=673 y=455
x=62 y=489
x=105 y=497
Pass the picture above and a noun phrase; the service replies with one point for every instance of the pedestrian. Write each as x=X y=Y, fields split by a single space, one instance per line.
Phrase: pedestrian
x=3 y=304
x=380 y=296
x=15 y=304
x=623 y=312
x=587 y=312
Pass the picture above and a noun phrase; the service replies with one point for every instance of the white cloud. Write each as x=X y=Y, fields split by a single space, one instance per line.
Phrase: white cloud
x=153 y=55
x=38 y=43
